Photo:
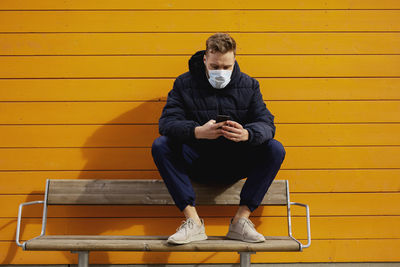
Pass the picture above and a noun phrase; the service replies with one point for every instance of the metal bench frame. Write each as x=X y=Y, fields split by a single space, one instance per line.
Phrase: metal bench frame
x=83 y=256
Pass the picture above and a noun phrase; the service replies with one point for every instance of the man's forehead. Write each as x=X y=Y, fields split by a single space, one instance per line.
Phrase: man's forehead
x=219 y=58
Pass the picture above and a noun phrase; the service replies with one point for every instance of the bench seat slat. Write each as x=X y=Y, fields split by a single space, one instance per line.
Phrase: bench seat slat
x=149 y=192
x=157 y=243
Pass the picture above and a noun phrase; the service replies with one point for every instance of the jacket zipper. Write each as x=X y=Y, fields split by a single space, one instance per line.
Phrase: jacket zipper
x=218 y=104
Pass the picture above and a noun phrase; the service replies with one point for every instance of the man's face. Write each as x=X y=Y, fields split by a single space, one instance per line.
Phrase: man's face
x=219 y=61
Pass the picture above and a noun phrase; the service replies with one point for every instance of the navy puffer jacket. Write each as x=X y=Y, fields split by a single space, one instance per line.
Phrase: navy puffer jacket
x=193 y=101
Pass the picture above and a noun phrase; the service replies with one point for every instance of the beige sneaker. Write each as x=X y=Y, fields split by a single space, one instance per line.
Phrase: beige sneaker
x=244 y=230
x=189 y=231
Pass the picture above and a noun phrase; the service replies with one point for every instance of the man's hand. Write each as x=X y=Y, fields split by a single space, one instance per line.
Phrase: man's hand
x=209 y=130
x=234 y=131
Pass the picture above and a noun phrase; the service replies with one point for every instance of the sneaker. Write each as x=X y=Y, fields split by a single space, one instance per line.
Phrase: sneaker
x=244 y=230
x=189 y=231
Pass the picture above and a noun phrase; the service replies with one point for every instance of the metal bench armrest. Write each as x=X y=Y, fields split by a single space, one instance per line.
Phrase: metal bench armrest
x=19 y=220
x=308 y=224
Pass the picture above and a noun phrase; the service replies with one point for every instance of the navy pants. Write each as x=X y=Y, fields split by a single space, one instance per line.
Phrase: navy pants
x=179 y=163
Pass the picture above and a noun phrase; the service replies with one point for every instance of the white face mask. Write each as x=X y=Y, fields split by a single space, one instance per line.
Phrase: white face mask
x=219 y=78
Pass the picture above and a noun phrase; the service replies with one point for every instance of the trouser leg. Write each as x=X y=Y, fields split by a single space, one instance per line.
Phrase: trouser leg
x=264 y=162
x=172 y=160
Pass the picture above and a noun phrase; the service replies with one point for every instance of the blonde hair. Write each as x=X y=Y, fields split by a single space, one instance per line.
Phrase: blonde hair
x=220 y=42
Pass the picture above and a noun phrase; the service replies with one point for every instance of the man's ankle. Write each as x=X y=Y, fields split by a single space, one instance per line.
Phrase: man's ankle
x=191 y=213
x=196 y=220
x=237 y=218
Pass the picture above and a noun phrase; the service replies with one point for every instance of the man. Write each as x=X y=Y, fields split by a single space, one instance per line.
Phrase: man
x=193 y=146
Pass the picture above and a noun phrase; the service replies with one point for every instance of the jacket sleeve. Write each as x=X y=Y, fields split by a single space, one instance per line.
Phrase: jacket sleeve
x=173 y=121
x=261 y=126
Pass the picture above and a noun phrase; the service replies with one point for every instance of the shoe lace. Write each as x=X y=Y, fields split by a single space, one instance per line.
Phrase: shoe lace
x=185 y=225
x=250 y=223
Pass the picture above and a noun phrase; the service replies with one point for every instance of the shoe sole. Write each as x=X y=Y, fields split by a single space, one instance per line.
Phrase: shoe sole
x=199 y=237
x=239 y=237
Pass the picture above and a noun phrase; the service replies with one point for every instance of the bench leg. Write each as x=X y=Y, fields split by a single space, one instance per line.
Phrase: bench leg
x=245 y=260
x=83 y=258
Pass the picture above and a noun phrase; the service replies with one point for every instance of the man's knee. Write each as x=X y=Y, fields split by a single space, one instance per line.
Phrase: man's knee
x=160 y=145
x=277 y=150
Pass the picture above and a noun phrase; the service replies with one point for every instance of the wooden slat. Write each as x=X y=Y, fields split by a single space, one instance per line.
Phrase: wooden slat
x=340 y=227
x=150 y=112
x=83 y=159
x=329 y=89
x=144 y=135
x=200 y=21
x=172 y=66
x=341 y=157
x=338 y=134
x=368 y=180
x=207 y=4
x=125 y=243
x=187 y=43
x=87 y=89
x=300 y=181
x=341 y=250
x=78 y=135
x=149 y=192
x=76 y=159
x=93 y=113
x=321 y=204
x=157 y=89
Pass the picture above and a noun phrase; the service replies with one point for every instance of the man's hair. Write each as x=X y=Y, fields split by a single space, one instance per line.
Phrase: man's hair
x=220 y=42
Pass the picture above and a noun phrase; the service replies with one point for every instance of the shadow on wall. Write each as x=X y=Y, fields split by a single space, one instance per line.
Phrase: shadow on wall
x=104 y=160
x=118 y=160
x=30 y=221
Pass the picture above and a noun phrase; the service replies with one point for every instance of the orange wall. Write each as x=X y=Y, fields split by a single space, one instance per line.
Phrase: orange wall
x=82 y=85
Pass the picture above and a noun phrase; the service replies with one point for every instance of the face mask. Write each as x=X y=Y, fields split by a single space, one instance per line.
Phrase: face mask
x=219 y=78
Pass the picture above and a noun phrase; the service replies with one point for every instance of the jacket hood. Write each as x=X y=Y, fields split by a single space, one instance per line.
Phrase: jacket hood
x=198 y=70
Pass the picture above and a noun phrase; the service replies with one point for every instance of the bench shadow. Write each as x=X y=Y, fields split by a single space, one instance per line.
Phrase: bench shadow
x=32 y=215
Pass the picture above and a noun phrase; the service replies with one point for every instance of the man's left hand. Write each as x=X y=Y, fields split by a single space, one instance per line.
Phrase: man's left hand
x=234 y=131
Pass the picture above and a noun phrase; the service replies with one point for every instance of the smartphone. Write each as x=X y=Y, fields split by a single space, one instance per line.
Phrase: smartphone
x=221 y=118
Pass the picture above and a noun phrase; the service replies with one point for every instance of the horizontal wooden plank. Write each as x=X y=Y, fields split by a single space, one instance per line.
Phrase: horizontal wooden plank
x=149 y=112
x=172 y=66
x=123 y=243
x=144 y=135
x=346 y=250
x=208 y=4
x=342 y=180
x=157 y=89
x=200 y=21
x=62 y=112
x=105 y=89
x=149 y=192
x=347 y=227
x=321 y=204
x=300 y=181
x=338 y=134
x=78 y=135
x=187 y=43
x=140 y=158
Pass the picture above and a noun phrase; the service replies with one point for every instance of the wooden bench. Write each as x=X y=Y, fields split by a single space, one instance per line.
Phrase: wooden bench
x=152 y=192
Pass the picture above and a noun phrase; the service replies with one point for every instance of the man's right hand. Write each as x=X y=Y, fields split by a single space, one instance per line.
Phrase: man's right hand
x=209 y=130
